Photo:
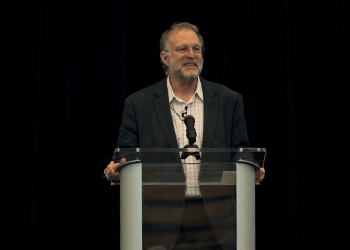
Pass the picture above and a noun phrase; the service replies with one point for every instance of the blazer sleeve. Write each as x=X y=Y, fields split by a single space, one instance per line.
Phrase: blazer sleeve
x=128 y=136
x=239 y=133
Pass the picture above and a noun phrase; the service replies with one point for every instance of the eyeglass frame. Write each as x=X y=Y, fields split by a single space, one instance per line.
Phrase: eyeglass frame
x=187 y=50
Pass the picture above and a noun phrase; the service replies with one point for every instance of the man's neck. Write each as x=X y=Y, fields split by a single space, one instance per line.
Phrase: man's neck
x=183 y=88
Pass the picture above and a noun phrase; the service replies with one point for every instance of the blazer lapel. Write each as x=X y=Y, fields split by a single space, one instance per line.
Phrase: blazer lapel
x=210 y=113
x=161 y=105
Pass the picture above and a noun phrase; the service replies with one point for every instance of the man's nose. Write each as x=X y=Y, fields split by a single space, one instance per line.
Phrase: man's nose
x=190 y=53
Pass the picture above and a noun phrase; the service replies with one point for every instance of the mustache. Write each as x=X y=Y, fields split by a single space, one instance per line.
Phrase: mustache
x=195 y=62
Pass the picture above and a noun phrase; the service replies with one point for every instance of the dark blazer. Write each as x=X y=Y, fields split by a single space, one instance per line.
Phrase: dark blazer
x=147 y=123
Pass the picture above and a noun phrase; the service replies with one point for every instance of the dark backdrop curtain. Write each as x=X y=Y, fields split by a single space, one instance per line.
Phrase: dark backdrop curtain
x=75 y=62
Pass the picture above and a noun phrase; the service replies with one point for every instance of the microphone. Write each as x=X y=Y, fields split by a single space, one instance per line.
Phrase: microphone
x=190 y=131
x=184 y=113
x=191 y=135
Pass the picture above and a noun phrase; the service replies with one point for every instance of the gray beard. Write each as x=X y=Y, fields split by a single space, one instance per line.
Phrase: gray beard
x=179 y=74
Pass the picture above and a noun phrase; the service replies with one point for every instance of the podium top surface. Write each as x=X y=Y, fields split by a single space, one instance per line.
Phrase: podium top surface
x=214 y=150
x=216 y=166
x=254 y=157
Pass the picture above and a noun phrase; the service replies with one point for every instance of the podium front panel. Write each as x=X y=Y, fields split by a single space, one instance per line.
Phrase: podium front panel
x=173 y=203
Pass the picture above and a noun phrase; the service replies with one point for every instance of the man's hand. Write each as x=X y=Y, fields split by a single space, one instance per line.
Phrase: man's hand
x=259 y=176
x=110 y=172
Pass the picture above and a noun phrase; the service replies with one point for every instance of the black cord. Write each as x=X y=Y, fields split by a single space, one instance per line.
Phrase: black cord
x=183 y=114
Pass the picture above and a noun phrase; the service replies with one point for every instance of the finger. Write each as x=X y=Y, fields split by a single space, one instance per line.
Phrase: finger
x=262 y=176
x=262 y=172
x=108 y=170
x=107 y=173
x=257 y=176
x=115 y=165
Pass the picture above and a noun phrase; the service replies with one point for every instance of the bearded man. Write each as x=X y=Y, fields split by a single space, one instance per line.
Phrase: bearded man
x=152 y=118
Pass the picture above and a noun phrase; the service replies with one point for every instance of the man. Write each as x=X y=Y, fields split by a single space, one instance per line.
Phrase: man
x=152 y=118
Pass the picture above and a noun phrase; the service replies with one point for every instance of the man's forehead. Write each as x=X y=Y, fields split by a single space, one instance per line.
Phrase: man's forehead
x=177 y=37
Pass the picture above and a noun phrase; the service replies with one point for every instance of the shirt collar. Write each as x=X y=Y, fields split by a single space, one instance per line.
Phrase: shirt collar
x=199 y=90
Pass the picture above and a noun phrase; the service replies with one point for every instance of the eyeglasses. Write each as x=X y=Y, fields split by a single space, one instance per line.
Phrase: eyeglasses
x=185 y=50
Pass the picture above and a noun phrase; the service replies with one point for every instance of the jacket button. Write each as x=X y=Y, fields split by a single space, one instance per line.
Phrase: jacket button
x=181 y=205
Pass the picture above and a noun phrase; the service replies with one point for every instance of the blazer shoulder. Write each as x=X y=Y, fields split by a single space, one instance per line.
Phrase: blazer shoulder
x=220 y=89
x=149 y=91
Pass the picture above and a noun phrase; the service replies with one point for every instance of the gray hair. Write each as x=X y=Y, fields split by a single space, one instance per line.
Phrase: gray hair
x=164 y=46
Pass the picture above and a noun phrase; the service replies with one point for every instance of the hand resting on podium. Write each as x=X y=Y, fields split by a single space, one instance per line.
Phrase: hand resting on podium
x=110 y=172
x=259 y=176
x=112 y=175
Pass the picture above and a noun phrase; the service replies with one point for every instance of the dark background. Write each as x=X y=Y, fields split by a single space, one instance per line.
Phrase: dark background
x=75 y=62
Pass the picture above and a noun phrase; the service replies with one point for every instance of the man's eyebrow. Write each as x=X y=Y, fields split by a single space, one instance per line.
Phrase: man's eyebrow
x=182 y=46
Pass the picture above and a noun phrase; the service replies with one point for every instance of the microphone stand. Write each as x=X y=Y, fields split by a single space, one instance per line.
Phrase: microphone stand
x=191 y=135
x=184 y=155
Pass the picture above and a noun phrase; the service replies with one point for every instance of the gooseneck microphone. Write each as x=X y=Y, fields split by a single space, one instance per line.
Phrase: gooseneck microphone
x=191 y=135
x=190 y=131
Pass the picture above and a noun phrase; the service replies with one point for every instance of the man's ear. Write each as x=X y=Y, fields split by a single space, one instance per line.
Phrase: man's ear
x=164 y=57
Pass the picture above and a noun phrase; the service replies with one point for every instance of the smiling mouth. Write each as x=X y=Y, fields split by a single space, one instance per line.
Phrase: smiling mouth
x=190 y=65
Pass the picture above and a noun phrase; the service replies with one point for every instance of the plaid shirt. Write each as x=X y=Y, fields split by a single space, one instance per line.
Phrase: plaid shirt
x=195 y=108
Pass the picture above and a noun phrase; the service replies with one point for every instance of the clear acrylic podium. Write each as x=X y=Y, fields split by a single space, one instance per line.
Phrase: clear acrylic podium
x=153 y=188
